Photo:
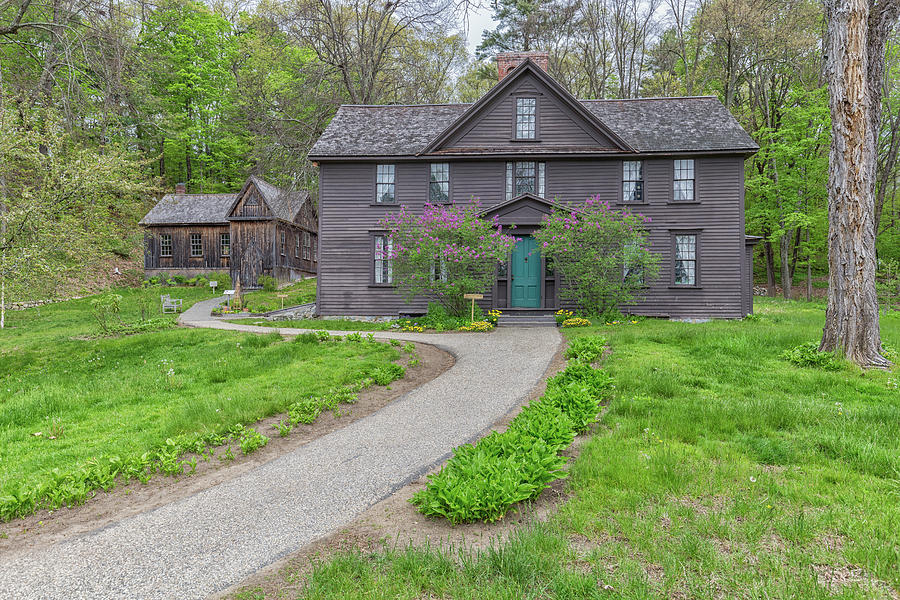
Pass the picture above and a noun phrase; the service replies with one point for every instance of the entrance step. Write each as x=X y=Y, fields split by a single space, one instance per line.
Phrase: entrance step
x=525 y=320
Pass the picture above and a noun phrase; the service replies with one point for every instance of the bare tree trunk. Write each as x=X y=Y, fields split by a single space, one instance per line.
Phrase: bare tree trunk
x=809 y=291
x=784 y=247
x=854 y=67
x=770 y=269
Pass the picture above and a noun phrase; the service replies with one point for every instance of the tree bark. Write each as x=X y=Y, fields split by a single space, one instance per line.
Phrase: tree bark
x=854 y=66
x=809 y=287
x=785 y=249
x=770 y=269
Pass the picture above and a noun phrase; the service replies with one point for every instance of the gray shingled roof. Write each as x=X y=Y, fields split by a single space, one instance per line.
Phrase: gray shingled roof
x=648 y=125
x=175 y=209
x=284 y=204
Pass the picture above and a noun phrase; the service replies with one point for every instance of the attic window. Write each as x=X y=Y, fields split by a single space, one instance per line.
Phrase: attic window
x=252 y=200
x=526 y=118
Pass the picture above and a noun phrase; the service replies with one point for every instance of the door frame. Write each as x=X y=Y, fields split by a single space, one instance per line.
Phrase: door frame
x=540 y=276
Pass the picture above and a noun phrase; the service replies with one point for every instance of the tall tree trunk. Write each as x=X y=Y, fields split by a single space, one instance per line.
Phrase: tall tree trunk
x=785 y=249
x=809 y=290
x=770 y=269
x=854 y=67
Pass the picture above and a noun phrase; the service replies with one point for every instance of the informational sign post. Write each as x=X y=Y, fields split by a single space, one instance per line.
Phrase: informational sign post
x=473 y=298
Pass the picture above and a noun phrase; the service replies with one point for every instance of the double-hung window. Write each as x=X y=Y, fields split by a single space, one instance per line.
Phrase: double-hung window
x=632 y=181
x=224 y=244
x=686 y=259
x=526 y=118
x=525 y=177
x=439 y=185
x=384 y=184
x=384 y=268
x=165 y=244
x=632 y=271
x=307 y=242
x=196 y=245
x=283 y=240
x=683 y=185
x=297 y=247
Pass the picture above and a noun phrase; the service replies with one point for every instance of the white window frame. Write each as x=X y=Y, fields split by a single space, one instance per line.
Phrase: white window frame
x=385 y=184
x=283 y=240
x=307 y=243
x=684 y=180
x=693 y=258
x=526 y=118
x=199 y=239
x=165 y=239
x=439 y=179
x=225 y=246
x=632 y=181
x=512 y=178
x=383 y=265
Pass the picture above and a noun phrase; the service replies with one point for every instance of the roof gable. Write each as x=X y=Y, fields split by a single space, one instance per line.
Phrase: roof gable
x=525 y=209
x=563 y=122
x=260 y=199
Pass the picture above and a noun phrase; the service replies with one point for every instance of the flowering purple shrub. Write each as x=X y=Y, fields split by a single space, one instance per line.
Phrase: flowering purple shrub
x=445 y=252
x=601 y=253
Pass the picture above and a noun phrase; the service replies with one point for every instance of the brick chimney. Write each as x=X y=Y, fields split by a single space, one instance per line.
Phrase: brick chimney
x=180 y=188
x=506 y=61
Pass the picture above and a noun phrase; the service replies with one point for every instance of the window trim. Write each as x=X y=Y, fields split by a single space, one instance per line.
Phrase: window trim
x=222 y=252
x=283 y=241
x=694 y=196
x=540 y=179
x=297 y=247
x=449 y=199
x=376 y=201
x=515 y=117
x=307 y=245
x=641 y=280
x=171 y=245
x=372 y=283
x=191 y=240
x=697 y=233
x=622 y=181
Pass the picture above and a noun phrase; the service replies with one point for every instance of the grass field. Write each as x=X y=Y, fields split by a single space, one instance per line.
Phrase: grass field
x=93 y=399
x=719 y=471
x=332 y=324
x=300 y=292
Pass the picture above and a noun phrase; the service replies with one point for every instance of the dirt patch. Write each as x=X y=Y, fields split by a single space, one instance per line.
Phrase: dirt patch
x=45 y=527
x=835 y=579
x=702 y=505
x=395 y=523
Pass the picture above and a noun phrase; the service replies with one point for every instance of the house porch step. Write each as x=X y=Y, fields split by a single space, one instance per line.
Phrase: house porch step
x=526 y=320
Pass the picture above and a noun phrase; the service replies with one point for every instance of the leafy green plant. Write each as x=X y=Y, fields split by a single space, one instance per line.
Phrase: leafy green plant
x=106 y=310
x=808 y=355
x=386 y=374
x=394 y=342
x=547 y=422
x=586 y=349
x=252 y=440
x=579 y=402
x=267 y=282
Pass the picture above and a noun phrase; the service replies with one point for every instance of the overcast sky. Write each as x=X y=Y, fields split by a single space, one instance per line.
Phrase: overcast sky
x=479 y=20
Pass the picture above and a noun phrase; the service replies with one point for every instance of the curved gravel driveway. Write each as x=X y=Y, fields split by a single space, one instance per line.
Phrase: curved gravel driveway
x=205 y=543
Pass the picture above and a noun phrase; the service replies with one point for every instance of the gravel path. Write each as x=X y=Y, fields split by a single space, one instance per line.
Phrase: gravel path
x=202 y=544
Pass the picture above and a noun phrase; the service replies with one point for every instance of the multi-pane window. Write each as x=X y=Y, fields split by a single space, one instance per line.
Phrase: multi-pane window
x=524 y=177
x=526 y=113
x=297 y=247
x=224 y=244
x=632 y=181
x=283 y=242
x=307 y=243
x=316 y=251
x=632 y=270
x=384 y=184
x=384 y=268
x=439 y=269
x=686 y=259
x=165 y=244
x=196 y=245
x=439 y=186
x=684 y=181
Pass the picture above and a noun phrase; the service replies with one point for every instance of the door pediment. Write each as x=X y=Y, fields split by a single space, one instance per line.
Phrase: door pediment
x=527 y=209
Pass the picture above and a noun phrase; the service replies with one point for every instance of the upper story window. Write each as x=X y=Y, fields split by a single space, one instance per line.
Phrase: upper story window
x=439 y=186
x=165 y=244
x=632 y=181
x=224 y=244
x=307 y=243
x=196 y=245
x=524 y=178
x=684 y=181
x=686 y=259
x=283 y=239
x=526 y=118
x=384 y=184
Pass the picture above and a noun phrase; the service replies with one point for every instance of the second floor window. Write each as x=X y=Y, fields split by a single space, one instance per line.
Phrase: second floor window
x=439 y=186
x=225 y=244
x=524 y=178
x=526 y=117
x=165 y=244
x=684 y=181
x=384 y=268
x=196 y=245
x=384 y=184
x=632 y=181
x=307 y=244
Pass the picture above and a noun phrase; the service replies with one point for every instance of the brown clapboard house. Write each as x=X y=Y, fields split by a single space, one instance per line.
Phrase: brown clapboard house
x=260 y=230
x=524 y=147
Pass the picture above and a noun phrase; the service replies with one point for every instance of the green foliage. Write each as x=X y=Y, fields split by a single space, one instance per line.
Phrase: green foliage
x=251 y=440
x=267 y=282
x=545 y=421
x=888 y=284
x=385 y=374
x=808 y=355
x=586 y=349
x=106 y=310
x=592 y=247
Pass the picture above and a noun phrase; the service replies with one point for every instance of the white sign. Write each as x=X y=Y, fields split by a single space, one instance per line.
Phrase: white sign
x=213 y=283
x=228 y=292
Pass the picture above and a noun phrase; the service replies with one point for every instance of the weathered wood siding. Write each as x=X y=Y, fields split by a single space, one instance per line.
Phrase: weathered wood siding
x=181 y=261
x=252 y=251
x=349 y=218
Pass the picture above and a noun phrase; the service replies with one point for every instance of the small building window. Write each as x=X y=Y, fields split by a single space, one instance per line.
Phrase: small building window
x=632 y=181
x=439 y=269
x=684 y=181
x=307 y=243
x=316 y=250
x=439 y=186
x=196 y=245
x=283 y=242
x=384 y=265
x=686 y=259
x=165 y=244
x=632 y=272
x=297 y=247
x=225 y=244
x=384 y=184
x=526 y=117
x=524 y=177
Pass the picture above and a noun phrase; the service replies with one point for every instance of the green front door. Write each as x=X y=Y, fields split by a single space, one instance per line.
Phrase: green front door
x=526 y=274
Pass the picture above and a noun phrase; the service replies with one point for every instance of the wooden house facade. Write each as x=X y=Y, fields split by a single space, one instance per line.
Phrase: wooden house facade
x=260 y=230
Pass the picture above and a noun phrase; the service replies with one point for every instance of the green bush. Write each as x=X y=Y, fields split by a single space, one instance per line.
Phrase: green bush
x=808 y=355
x=267 y=282
x=307 y=338
x=587 y=349
x=578 y=401
x=578 y=372
x=384 y=375
x=547 y=422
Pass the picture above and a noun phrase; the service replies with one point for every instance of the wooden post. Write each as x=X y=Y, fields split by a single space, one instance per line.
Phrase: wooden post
x=282 y=296
x=473 y=298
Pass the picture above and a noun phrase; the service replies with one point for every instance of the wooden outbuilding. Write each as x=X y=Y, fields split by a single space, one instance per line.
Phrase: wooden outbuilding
x=260 y=230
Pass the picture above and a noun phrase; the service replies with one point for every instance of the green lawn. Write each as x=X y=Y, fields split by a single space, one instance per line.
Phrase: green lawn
x=332 y=324
x=719 y=471
x=124 y=396
x=300 y=292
